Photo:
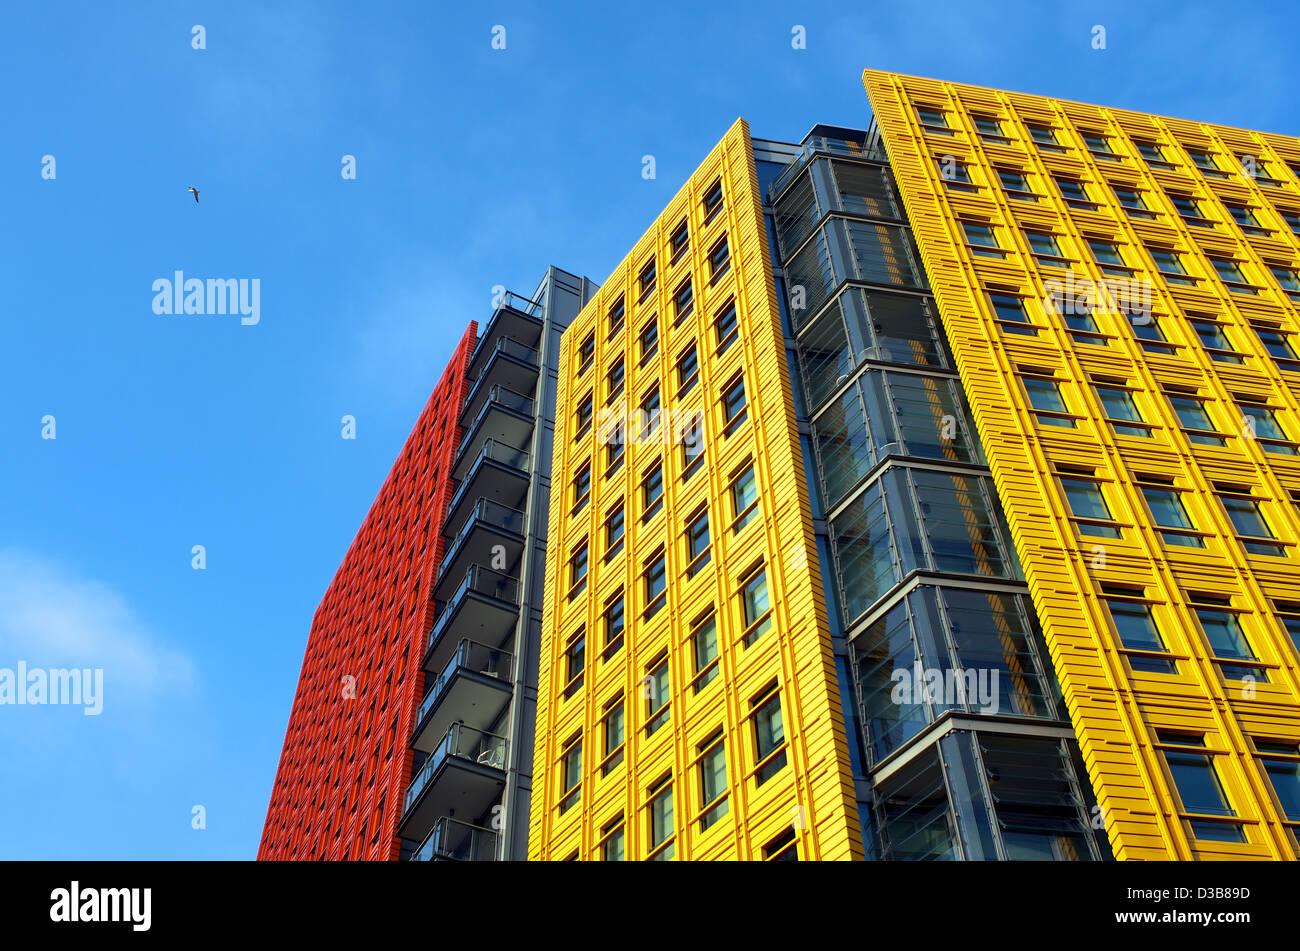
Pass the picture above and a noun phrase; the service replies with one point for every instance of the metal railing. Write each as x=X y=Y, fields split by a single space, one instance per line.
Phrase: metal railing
x=497 y=451
x=499 y=397
x=825 y=145
x=472 y=656
x=484 y=581
x=489 y=513
x=454 y=841
x=510 y=347
x=464 y=743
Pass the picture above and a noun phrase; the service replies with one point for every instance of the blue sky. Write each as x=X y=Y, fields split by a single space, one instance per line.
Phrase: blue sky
x=475 y=167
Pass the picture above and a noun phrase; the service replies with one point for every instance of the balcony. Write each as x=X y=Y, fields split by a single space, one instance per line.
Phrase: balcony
x=500 y=474
x=518 y=318
x=506 y=417
x=454 y=841
x=485 y=607
x=464 y=774
x=510 y=365
x=473 y=689
x=489 y=525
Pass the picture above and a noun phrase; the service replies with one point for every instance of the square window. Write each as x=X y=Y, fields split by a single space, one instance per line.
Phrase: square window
x=1137 y=631
x=1089 y=508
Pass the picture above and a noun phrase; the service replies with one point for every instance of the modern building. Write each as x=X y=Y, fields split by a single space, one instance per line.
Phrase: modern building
x=883 y=537
x=472 y=737
x=1120 y=291
x=930 y=491
x=346 y=762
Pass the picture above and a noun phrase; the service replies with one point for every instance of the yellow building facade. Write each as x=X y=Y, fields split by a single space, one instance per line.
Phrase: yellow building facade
x=686 y=705
x=1120 y=292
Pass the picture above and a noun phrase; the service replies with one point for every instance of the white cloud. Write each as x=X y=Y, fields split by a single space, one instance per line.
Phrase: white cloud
x=51 y=618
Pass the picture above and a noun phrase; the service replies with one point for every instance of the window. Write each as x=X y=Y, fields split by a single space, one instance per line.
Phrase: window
x=659 y=816
x=616 y=317
x=713 y=780
x=612 y=843
x=1099 y=146
x=989 y=127
x=655 y=687
x=1245 y=219
x=1074 y=194
x=933 y=120
x=1015 y=184
x=688 y=371
x=1214 y=339
x=649 y=339
x=719 y=260
x=1137 y=632
x=646 y=279
x=712 y=201
x=1261 y=423
x=1226 y=639
x=1010 y=311
x=1045 y=398
x=1292 y=218
x=726 y=327
x=582 y=487
x=615 y=445
x=982 y=240
x=1131 y=200
x=733 y=405
x=650 y=407
x=611 y=726
x=953 y=172
x=1229 y=272
x=769 y=735
x=1205 y=162
x=1252 y=531
x=704 y=645
x=1044 y=137
x=1168 y=512
x=1197 y=425
x=1121 y=412
x=1149 y=336
x=1197 y=782
x=614 y=622
x=1109 y=258
x=655 y=576
x=1189 y=211
x=744 y=499
x=683 y=301
x=1278 y=347
x=586 y=353
x=679 y=241
x=783 y=848
x=615 y=377
x=1089 y=508
x=755 y=606
x=571 y=774
x=652 y=492
x=697 y=543
x=1152 y=153
x=1287 y=278
x=577 y=570
x=582 y=418
x=692 y=440
x=1280 y=760
x=1045 y=248
x=575 y=660
x=1170 y=266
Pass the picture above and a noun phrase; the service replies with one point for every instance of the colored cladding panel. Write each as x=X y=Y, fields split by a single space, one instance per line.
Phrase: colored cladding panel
x=345 y=766
x=1144 y=443
x=687 y=705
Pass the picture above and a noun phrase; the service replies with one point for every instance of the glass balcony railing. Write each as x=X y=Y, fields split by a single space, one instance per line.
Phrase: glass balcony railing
x=497 y=451
x=499 y=398
x=510 y=347
x=825 y=145
x=454 y=841
x=484 y=581
x=462 y=743
x=471 y=656
x=489 y=513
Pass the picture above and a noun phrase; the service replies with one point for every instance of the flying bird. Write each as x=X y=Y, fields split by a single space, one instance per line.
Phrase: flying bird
x=196 y=193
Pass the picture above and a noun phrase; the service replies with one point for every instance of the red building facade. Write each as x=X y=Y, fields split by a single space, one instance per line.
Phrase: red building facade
x=346 y=761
